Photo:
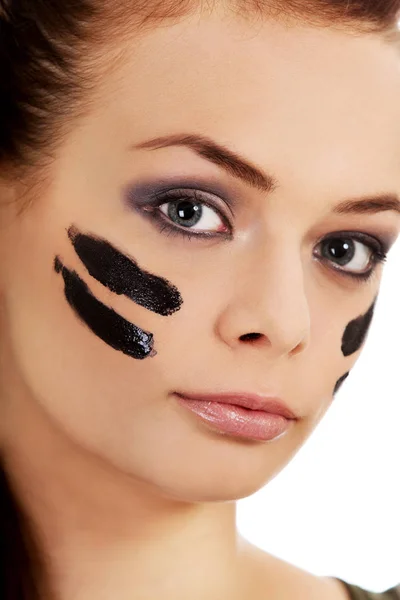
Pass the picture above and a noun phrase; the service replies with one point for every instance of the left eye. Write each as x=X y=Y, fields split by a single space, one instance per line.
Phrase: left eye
x=355 y=255
x=193 y=214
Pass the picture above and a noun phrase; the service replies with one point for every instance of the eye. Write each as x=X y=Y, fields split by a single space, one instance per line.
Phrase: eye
x=359 y=257
x=194 y=215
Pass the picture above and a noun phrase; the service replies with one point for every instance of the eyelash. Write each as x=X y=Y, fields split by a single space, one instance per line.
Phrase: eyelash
x=378 y=255
x=377 y=246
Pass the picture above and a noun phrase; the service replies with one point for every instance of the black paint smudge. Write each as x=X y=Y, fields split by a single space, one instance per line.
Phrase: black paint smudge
x=122 y=275
x=356 y=331
x=102 y=320
x=340 y=381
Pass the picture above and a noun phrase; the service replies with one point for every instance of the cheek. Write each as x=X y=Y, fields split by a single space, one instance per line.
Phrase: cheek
x=82 y=383
x=105 y=323
x=353 y=338
x=123 y=276
x=339 y=382
x=356 y=331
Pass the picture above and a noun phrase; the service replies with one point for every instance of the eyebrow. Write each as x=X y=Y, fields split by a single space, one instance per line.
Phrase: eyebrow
x=369 y=205
x=239 y=167
x=218 y=154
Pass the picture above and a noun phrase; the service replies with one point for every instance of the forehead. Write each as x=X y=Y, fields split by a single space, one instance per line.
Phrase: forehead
x=321 y=98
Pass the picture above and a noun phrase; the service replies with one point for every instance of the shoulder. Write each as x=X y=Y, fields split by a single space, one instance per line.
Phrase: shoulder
x=272 y=577
x=357 y=593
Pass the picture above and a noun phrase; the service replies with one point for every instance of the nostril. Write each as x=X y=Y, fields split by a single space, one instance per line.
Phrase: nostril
x=250 y=337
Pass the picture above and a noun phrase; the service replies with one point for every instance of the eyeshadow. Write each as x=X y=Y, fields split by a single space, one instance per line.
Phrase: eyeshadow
x=147 y=192
x=104 y=322
x=356 y=332
x=122 y=275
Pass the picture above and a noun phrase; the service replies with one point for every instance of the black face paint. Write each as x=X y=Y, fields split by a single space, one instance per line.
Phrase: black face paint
x=122 y=275
x=102 y=320
x=356 y=331
x=340 y=381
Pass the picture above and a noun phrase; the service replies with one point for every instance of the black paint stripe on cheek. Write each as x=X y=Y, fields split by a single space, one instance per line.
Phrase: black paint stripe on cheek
x=339 y=382
x=356 y=331
x=104 y=322
x=122 y=275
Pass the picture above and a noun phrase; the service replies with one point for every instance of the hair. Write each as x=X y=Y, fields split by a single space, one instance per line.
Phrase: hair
x=50 y=61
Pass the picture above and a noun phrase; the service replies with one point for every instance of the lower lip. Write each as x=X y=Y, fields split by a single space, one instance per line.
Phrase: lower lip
x=238 y=421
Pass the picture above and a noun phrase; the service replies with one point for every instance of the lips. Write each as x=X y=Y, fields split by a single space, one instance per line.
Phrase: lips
x=271 y=405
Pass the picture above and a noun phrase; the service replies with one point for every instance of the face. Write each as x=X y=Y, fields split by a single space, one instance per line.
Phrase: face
x=239 y=252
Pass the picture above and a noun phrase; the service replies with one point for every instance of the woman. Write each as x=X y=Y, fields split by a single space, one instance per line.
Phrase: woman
x=197 y=199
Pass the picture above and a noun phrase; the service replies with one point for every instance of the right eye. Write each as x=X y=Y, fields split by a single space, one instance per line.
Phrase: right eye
x=194 y=215
x=191 y=213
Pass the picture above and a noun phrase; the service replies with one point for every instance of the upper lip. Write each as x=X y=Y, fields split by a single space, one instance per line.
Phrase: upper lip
x=252 y=401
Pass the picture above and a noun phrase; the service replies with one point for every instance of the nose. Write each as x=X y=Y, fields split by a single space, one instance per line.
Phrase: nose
x=267 y=306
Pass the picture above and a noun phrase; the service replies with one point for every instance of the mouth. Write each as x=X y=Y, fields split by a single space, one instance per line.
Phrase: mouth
x=240 y=415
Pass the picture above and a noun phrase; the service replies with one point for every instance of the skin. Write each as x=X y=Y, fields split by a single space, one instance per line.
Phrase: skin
x=103 y=321
x=129 y=490
x=355 y=332
x=122 y=275
x=340 y=382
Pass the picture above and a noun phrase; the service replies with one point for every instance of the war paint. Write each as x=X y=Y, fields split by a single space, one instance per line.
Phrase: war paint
x=108 y=325
x=122 y=275
x=356 y=331
x=340 y=381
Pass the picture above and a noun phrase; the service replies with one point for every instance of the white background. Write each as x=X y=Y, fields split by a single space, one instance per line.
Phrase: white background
x=334 y=510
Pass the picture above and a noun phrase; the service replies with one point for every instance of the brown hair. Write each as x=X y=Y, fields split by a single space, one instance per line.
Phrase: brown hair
x=46 y=74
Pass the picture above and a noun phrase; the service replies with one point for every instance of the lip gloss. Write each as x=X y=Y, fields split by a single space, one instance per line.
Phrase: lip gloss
x=238 y=421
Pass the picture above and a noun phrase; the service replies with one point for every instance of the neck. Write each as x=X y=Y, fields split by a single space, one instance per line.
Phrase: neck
x=105 y=533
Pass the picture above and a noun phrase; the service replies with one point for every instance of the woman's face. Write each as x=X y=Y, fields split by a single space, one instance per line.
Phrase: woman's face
x=143 y=268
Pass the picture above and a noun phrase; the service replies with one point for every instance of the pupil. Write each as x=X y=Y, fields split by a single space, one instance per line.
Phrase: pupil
x=185 y=213
x=339 y=248
x=186 y=210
